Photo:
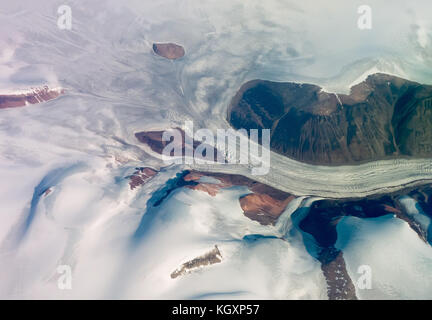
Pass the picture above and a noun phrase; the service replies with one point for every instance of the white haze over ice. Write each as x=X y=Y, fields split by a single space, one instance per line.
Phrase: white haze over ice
x=82 y=144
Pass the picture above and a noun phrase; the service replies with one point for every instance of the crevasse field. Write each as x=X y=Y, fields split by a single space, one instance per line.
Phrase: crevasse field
x=82 y=146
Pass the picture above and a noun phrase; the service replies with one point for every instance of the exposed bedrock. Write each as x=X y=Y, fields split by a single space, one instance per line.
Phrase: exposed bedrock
x=265 y=204
x=413 y=205
x=33 y=96
x=141 y=176
x=207 y=259
x=170 y=51
x=382 y=117
x=324 y=214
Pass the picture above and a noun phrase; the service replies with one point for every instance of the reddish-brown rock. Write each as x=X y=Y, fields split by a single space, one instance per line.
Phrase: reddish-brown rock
x=211 y=257
x=339 y=283
x=193 y=176
x=384 y=117
x=34 y=96
x=170 y=51
x=263 y=208
x=264 y=205
x=154 y=140
x=140 y=176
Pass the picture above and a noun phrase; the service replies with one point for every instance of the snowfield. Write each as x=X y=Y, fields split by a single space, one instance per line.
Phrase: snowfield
x=400 y=261
x=116 y=251
x=64 y=195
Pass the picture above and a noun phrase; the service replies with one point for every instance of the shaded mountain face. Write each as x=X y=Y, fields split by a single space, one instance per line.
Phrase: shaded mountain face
x=382 y=117
x=325 y=214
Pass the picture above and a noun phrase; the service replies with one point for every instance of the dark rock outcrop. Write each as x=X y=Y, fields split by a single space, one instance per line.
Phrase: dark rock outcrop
x=154 y=139
x=325 y=214
x=211 y=257
x=265 y=204
x=383 y=117
x=170 y=51
x=141 y=176
x=339 y=283
x=264 y=208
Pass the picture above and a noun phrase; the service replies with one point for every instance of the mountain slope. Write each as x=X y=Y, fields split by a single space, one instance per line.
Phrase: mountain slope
x=382 y=117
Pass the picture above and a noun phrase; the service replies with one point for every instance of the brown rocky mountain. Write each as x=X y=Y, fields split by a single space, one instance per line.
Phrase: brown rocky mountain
x=382 y=117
